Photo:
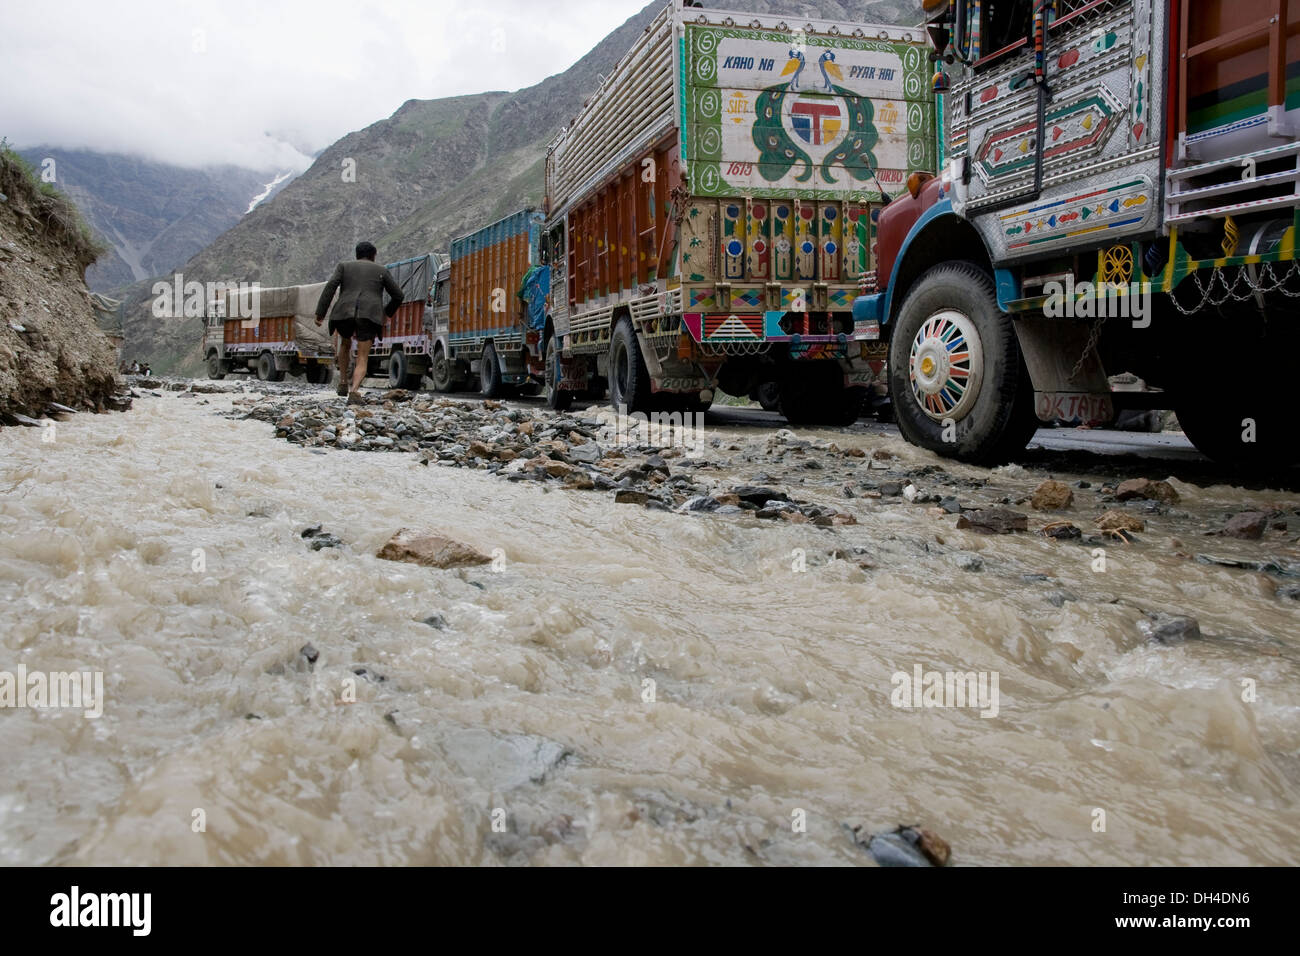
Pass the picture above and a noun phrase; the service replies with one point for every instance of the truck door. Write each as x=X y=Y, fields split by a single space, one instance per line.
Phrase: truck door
x=1000 y=107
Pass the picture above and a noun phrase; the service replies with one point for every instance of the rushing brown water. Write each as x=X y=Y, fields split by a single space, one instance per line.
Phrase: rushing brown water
x=771 y=687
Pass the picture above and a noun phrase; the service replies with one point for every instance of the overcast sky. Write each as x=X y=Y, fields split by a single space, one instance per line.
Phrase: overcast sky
x=260 y=84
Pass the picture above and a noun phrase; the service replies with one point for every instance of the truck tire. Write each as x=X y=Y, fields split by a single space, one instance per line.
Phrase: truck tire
x=489 y=373
x=813 y=393
x=556 y=398
x=441 y=371
x=401 y=374
x=629 y=379
x=215 y=366
x=266 y=370
x=957 y=382
x=768 y=395
x=1240 y=426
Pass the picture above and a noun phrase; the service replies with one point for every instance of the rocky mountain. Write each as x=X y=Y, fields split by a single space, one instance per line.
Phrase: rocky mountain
x=432 y=170
x=152 y=216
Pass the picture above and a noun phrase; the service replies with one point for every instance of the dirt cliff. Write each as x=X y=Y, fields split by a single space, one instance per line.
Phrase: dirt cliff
x=51 y=349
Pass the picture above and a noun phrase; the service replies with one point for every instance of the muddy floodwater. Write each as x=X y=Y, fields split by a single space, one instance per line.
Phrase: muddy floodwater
x=621 y=685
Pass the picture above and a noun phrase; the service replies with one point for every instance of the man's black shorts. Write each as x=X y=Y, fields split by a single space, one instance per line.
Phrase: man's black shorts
x=363 y=330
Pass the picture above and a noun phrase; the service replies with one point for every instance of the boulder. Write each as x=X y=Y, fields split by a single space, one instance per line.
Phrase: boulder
x=430 y=550
x=1052 y=496
x=1147 y=489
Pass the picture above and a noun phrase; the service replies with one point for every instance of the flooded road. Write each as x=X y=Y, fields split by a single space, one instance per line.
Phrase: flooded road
x=621 y=685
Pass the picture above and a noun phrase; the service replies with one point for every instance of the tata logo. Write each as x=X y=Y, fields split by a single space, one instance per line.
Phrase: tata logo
x=816 y=122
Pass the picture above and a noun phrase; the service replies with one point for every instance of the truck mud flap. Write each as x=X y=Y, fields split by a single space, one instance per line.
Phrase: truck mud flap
x=1051 y=348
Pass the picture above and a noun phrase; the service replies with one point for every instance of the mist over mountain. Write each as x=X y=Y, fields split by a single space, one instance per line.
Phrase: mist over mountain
x=153 y=216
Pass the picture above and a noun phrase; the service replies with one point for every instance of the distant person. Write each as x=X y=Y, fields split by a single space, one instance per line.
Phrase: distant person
x=359 y=312
x=135 y=368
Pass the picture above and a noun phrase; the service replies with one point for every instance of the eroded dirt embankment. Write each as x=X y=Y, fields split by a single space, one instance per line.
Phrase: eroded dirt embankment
x=51 y=349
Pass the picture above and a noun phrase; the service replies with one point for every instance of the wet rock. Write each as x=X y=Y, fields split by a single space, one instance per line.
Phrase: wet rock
x=966 y=561
x=701 y=503
x=951 y=506
x=1145 y=488
x=309 y=653
x=435 y=621
x=934 y=847
x=1247 y=525
x=891 y=489
x=325 y=541
x=430 y=550
x=1061 y=531
x=993 y=521
x=503 y=761
x=1052 y=496
x=892 y=849
x=759 y=495
x=1164 y=628
x=1120 y=521
x=587 y=454
x=312 y=531
x=1058 y=598
x=626 y=496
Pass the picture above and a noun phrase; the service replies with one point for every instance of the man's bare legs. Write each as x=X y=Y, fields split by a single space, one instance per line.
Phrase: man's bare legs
x=341 y=362
x=363 y=359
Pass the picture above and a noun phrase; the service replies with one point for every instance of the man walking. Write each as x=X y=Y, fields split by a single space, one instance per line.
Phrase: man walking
x=359 y=312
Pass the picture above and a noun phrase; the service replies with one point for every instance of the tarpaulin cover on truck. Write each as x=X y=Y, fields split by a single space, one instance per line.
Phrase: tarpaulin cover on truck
x=296 y=301
x=534 y=289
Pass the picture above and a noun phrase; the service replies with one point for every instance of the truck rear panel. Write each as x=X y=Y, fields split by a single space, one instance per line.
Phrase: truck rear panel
x=724 y=179
x=487 y=269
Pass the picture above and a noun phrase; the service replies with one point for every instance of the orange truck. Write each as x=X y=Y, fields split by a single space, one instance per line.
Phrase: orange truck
x=481 y=331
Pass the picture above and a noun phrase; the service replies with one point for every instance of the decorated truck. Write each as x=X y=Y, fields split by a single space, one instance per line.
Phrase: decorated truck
x=1118 y=193
x=711 y=212
x=268 y=332
x=481 y=330
x=403 y=353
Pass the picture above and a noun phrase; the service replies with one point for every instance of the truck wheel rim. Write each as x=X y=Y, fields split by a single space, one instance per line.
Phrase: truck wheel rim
x=945 y=366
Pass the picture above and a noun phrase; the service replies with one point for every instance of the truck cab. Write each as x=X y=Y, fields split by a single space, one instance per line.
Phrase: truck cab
x=1117 y=193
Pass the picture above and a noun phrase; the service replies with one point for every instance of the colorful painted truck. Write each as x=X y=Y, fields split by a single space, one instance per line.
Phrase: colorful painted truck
x=711 y=211
x=279 y=335
x=404 y=352
x=1118 y=193
x=480 y=330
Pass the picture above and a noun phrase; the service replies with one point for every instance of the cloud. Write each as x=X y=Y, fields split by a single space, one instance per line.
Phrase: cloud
x=266 y=84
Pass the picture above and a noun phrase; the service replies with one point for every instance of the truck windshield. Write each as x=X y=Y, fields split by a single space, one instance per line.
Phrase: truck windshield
x=1004 y=24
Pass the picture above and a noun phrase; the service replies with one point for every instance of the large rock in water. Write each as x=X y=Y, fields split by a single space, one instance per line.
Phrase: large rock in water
x=430 y=550
x=51 y=347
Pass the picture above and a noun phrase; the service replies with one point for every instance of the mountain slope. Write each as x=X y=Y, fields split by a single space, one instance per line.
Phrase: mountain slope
x=153 y=216
x=432 y=170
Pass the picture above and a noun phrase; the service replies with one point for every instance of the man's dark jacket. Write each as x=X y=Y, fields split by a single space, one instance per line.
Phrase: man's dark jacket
x=361 y=284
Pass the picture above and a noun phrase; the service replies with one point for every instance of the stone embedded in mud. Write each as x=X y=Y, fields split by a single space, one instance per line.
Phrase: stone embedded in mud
x=1052 y=496
x=325 y=541
x=993 y=521
x=587 y=454
x=1120 y=521
x=430 y=550
x=1248 y=525
x=934 y=847
x=1060 y=531
x=1164 y=628
x=626 y=496
x=758 y=495
x=1146 y=488
x=892 y=849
